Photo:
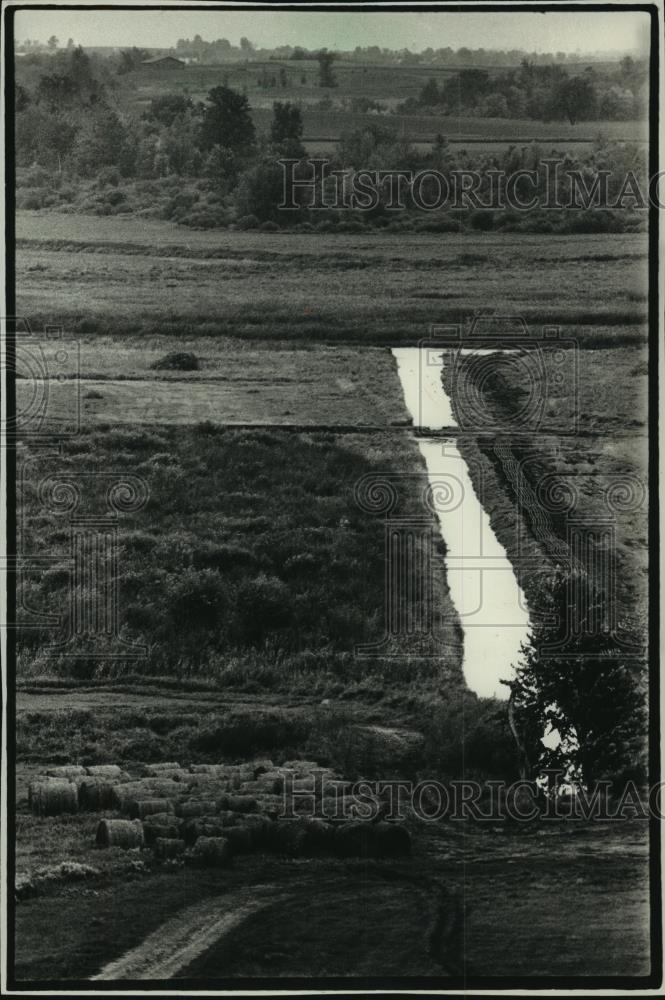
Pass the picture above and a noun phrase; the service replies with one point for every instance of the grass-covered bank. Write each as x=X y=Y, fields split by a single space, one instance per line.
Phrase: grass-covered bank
x=571 y=510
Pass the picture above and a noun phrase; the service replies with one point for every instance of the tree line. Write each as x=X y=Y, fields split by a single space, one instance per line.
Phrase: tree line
x=542 y=92
x=69 y=127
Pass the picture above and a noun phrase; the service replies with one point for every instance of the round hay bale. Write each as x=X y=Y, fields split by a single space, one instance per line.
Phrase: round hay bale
x=208 y=784
x=214 y=770
x=212 y=852
x=242 y=803
x=270 y=782
x=95 y=794
x=249 y=787
x=243 y=772
x=303 y=785
x=52 y=797
x=152 y=831
x=125 y=833
x=169 y=847
x=36 y=784
x=229 y=818
x=181 y=775
x=193 y=808
x=270 y=804
x=167 y=818
x=306 y=769
x=107 y=771
x=265 y=785
x=163 y=788
x=169 y=765
x=146 y=789
x=204 y=826
x=141 y=808
x=66 y=772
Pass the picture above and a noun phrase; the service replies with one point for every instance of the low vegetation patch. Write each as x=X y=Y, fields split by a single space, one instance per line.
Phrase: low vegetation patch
x=181 y=361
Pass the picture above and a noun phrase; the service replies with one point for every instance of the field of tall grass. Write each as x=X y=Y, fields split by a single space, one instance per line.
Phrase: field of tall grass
x=251 y=564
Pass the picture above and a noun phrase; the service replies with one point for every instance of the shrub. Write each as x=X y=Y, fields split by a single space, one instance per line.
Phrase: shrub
x=35 y=198
x=114 y=197
x=242 y=733
x=351 y=227
x=204 y=218
x=440 y=225
x=181 y=361
x=197 y=599
x=269 y=227
x=108 y=177
x=263 y=605
x=248 y=222
x=592 y=221
x=35 y=176
x=482 y=220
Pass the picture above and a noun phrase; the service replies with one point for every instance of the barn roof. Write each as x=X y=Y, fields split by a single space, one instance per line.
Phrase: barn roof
x=161 y=59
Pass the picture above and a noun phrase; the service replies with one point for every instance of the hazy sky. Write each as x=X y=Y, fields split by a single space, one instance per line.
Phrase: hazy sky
x=551 y=32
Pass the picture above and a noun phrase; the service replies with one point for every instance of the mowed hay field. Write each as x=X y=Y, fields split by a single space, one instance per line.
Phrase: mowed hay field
x=374 y=288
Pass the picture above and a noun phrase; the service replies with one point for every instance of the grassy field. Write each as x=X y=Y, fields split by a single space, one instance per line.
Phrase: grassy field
x=251 y=573
x=385 y=288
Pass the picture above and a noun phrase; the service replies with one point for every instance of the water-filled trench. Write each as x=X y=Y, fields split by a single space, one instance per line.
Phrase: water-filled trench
x=483 y=587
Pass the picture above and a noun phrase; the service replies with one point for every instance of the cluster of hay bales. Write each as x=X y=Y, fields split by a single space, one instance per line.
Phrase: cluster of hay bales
x=73 y=788
x=207 y=813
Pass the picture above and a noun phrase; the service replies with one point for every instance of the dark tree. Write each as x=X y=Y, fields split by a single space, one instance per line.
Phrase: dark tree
x=286 y=129
x=131 y=59
x=466 y=88
x=325 y=60
x=429 y=95
x=22 y=98
x=227 y=121
x=576 y=98
x=166 y=108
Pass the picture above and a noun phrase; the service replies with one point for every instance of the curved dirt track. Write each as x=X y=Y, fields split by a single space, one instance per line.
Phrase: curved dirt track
x=176 y=943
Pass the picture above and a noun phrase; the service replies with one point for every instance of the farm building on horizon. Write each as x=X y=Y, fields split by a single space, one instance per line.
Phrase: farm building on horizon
x=164 y=62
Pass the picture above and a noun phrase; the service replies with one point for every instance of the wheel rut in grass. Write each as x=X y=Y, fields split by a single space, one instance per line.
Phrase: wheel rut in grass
x=183 y=938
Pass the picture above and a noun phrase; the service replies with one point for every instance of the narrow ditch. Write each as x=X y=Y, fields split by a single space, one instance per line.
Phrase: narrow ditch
x=491 y=605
